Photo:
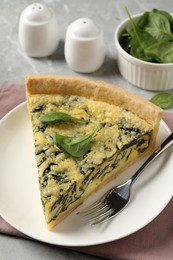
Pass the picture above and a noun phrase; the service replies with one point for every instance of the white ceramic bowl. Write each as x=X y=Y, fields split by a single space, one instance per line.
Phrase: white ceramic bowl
x=146 y=75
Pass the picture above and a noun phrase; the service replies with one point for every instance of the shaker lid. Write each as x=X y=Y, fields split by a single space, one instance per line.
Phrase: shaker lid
x=36 y=13
x=84 y=28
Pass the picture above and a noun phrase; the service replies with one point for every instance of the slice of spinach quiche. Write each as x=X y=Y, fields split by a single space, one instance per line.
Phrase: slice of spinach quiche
x=85 y=134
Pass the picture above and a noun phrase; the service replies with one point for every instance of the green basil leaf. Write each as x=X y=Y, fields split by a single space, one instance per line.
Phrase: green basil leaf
x=54 y=117
x=76 y=146
x=163 y=100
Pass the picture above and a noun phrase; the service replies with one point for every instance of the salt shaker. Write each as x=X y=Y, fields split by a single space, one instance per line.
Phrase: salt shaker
x=38 y=30
x=84 y=46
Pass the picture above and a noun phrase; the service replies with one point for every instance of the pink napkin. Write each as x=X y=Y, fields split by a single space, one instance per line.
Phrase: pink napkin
x=153 y=242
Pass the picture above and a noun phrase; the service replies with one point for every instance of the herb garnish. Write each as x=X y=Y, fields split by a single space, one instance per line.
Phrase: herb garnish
x=150 y=38
x=163 y=100
x=54 y=117
x=76 y=146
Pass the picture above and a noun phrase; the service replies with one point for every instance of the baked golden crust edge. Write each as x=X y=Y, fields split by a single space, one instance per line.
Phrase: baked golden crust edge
x=95 y=90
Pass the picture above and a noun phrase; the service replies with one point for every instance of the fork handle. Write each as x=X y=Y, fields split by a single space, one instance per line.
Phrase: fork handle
x=167 y=143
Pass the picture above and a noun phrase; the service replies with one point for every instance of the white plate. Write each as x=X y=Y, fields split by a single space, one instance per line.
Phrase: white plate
x=20 y=203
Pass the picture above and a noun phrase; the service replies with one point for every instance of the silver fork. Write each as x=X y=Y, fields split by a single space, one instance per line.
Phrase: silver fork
x=115 y=200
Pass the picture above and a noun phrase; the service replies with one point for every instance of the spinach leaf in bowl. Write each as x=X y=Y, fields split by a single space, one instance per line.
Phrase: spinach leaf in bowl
x=150 y=38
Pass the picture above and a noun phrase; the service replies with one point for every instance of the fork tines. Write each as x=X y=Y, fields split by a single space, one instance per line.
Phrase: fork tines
x=97 y=212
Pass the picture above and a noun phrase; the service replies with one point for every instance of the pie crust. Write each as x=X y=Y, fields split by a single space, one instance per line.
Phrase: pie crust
x=96 y=90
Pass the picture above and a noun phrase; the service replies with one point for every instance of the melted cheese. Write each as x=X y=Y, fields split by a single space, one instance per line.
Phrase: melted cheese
x=63 y=179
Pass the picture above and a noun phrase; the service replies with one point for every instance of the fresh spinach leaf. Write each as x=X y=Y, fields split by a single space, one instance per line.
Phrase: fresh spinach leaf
x=76 y=146
x=161 y=52
x=156 y=24
x=139 y=39
x=166 y=14
x=54 y=117
x=137 y=50
x=134 y=28
x=150 y=38
x=163 y=100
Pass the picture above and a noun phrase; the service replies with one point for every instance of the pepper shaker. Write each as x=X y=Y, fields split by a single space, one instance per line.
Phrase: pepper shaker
x=84 y=46
x=38 y=30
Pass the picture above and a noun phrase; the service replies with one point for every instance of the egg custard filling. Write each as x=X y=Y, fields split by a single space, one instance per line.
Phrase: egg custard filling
x=100 y=131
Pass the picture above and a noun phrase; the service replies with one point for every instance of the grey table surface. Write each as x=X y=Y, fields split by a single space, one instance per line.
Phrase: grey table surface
x=15 y=64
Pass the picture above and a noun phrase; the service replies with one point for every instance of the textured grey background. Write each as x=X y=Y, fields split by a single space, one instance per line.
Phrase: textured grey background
x=14 y=64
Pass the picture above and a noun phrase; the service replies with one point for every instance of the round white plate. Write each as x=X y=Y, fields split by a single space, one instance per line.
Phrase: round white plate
x=20 y=203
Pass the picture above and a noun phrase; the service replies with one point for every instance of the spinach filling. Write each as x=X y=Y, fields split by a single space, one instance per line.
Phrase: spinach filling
x=93 y=174
x=137 y=140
